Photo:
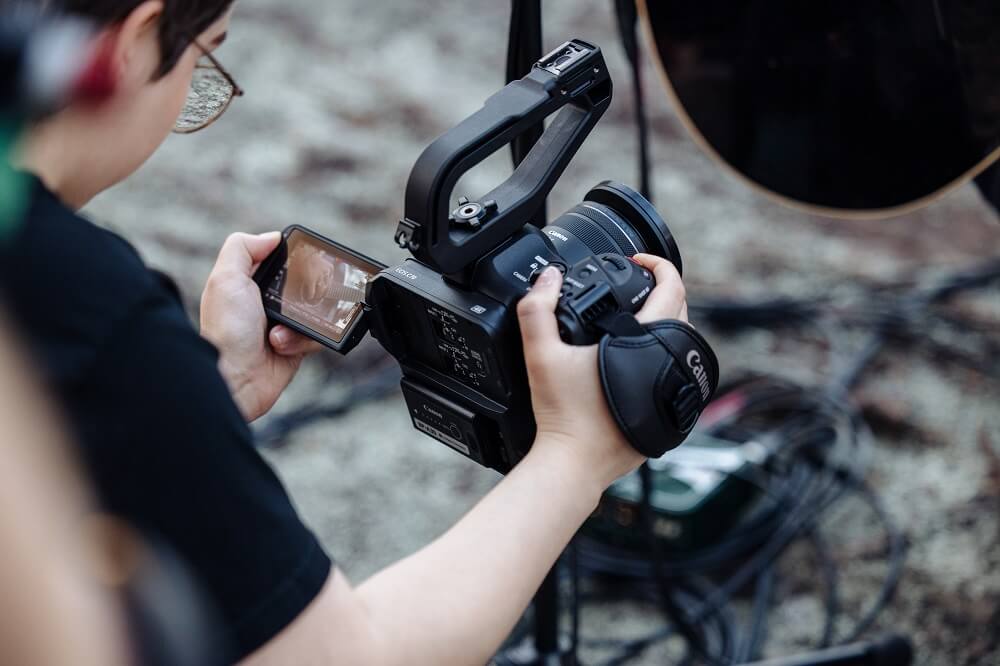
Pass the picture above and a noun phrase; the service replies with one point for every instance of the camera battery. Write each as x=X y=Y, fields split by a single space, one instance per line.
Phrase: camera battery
x=449 y=423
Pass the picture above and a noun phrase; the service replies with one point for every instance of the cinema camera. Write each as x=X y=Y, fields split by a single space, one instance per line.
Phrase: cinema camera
x=447 y=315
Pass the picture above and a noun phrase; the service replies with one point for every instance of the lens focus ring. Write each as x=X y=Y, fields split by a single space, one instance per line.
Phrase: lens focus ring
x=614 y=226
x=598 y=230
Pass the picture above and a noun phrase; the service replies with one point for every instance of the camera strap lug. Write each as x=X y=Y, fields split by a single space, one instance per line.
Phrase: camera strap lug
x=408 y=235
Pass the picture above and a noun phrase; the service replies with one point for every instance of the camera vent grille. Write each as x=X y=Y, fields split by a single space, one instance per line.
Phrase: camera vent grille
x=597 y=309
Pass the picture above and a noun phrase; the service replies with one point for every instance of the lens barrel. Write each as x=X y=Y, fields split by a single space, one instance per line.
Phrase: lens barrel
x=615 y=218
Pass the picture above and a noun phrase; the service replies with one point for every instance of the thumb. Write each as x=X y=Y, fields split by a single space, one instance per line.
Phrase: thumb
x=241 y=252
x=536 y=315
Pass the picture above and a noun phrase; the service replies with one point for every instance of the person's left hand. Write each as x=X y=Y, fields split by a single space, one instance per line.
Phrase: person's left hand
x=256 y=365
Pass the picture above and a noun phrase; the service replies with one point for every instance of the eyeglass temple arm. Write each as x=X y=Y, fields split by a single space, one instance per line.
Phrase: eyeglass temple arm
x=237 y=91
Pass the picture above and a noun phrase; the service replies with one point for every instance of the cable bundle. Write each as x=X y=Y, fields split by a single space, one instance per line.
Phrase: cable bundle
x=817 y=447
x=818 y=444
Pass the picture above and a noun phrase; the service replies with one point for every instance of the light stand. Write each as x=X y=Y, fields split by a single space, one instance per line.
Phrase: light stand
x=524 y=49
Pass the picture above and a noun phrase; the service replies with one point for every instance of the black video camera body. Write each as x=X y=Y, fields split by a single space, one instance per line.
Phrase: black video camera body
x=447 y=315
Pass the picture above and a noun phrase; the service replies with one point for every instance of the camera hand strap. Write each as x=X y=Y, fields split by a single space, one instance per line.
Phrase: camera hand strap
x=657 y=379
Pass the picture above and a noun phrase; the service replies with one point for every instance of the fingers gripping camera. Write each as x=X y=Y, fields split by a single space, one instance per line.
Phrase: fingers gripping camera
x=595 y=288
x=657 y=378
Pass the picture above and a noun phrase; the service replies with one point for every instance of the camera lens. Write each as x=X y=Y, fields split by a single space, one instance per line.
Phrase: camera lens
x=612 y=218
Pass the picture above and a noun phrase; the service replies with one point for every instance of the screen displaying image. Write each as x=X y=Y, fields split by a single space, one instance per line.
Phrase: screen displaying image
x=319 y=286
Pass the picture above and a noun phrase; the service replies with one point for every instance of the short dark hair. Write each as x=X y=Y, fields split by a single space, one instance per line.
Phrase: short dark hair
x=182 y=21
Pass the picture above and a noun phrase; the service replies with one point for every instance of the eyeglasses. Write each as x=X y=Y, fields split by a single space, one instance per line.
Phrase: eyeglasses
x=212 y=90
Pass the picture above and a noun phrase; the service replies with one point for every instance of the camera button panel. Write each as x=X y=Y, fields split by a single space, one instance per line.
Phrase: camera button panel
x=558 y=265
x=455 y=341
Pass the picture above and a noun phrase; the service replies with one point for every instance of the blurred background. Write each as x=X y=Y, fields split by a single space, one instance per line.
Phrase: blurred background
x=341 y=98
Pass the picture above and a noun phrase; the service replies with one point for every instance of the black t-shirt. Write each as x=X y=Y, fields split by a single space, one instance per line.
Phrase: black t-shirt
x=166 y=447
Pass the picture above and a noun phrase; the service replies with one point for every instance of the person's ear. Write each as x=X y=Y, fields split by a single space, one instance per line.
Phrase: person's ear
x=136 y=47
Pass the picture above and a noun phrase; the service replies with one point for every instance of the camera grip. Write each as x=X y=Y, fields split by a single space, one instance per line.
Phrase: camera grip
x=576 y=84
x=657 y=383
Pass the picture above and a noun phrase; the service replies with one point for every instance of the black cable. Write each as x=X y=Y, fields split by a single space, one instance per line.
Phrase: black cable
x=628 y=21
x=524 y=48
x=831 y=601
x=765 y=556
x=807 y=422
x=846 y=379
x=719 y=629
x=757 y=634
x=896 y=558
x=818 y=486
x=673 y=612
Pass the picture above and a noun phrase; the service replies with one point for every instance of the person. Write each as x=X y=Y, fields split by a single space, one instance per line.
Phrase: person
x=53 y=610
x=80 y=586
x=160 y=412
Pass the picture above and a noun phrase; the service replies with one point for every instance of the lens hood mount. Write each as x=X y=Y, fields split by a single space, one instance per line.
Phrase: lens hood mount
x=641 y=215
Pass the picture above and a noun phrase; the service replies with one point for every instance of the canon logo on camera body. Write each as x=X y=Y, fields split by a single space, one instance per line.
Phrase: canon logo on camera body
x=694 y=362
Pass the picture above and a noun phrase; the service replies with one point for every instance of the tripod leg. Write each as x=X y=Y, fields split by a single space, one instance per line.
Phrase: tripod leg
x=546 y=647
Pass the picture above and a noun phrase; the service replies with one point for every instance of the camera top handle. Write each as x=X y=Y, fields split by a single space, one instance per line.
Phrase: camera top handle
x=573 y=76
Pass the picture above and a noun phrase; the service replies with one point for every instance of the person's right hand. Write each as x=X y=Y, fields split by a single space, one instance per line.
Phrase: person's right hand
x=566 y=395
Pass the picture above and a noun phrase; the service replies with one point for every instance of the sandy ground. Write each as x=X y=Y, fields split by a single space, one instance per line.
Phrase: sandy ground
x=341 y=98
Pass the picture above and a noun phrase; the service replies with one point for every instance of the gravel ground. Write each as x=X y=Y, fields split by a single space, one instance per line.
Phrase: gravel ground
x=341 y=98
